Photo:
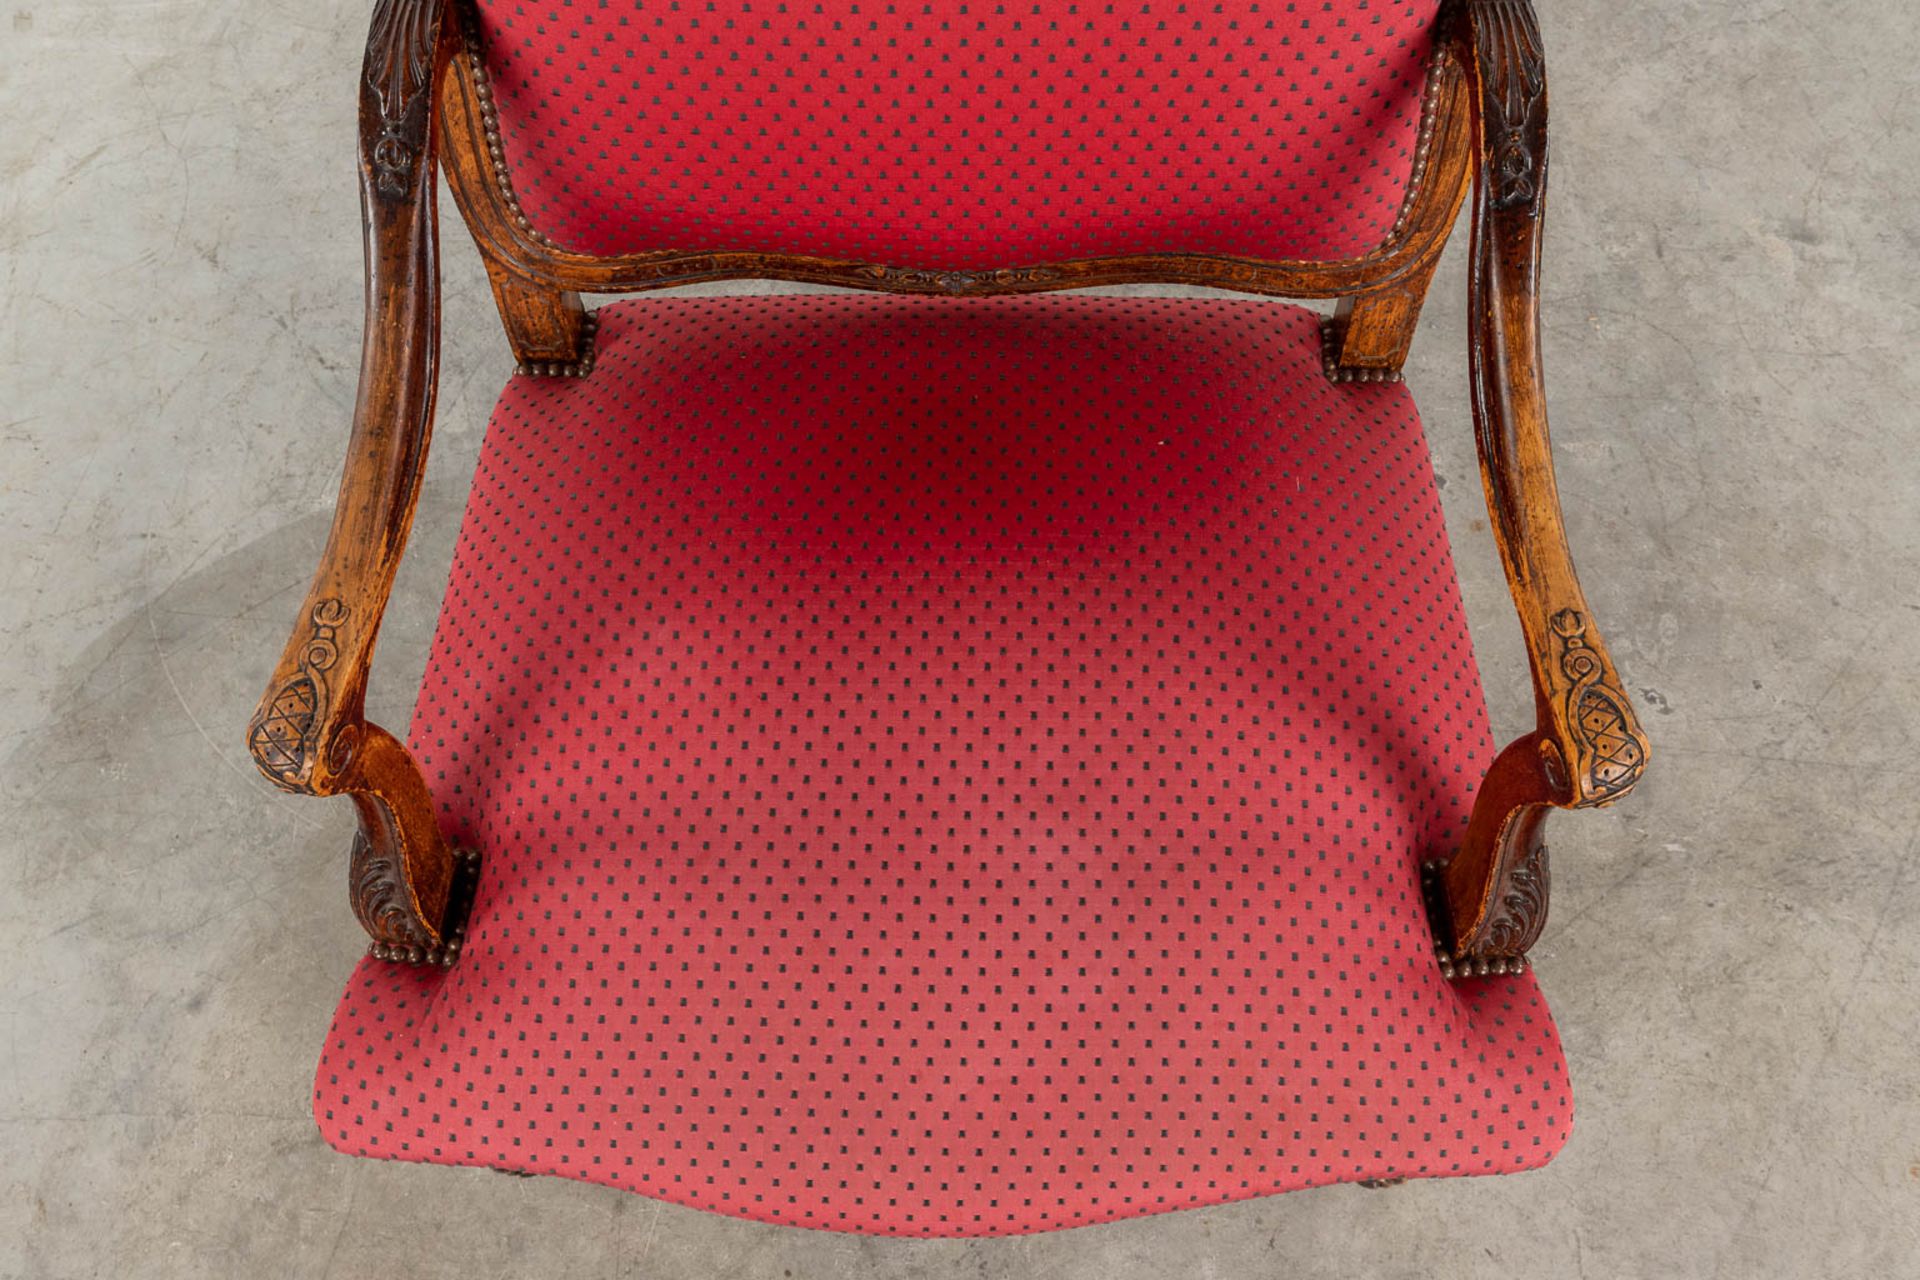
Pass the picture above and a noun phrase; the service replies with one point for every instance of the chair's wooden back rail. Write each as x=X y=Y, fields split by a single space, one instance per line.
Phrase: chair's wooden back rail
x=537 y=282
x=424 y=98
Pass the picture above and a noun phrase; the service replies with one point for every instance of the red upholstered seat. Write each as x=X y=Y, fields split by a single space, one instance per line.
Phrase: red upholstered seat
x=950 y=766
x=961 y=136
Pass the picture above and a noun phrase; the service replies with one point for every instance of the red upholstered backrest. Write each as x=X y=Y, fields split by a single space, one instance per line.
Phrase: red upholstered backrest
x=948 y=135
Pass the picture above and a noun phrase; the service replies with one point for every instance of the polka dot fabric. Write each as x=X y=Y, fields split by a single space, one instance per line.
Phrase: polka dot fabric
x=960 y=136
x=950 y=767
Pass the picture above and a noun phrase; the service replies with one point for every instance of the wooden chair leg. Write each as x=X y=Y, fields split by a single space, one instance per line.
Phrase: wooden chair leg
x=549 y=329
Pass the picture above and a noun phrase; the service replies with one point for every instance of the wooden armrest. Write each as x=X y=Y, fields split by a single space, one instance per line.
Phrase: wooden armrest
x=309 y=734
x=1587 y=748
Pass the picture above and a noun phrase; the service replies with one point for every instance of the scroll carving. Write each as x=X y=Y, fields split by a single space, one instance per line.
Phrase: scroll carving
x=377 y=887
x=378 y=891
x=1515 y=93
x=285 y=730
x=1610 y=758
x=390 y=911
x=399 y=66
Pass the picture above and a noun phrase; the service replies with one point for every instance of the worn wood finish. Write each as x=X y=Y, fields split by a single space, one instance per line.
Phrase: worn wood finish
x=310 y=734
x=1372 y=329
x=1484 y=124
x=544 y=325
x=1375 y=330
x=1587 y=748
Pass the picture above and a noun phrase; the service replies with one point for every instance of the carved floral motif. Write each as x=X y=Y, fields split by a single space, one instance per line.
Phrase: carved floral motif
x=1610 y=757
x=283 y=734
x=959 y=281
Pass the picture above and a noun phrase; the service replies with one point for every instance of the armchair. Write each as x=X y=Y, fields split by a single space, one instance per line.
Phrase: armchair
x=968 y=759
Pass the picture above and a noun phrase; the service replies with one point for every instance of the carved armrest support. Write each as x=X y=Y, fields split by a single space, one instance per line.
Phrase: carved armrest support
x=1587 y=748
x=309 y=734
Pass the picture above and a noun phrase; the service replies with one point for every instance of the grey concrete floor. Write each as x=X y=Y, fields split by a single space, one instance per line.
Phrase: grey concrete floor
x=1733 y=308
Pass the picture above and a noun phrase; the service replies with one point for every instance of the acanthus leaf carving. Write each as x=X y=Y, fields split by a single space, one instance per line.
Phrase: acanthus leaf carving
x=1511 y=51
x=1522 y=912
x=399 y=65
x=377 y=888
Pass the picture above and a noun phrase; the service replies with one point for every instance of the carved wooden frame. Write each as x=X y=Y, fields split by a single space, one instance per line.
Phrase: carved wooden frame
x=425 y=99
x=1587 y=748
x=310 y=734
